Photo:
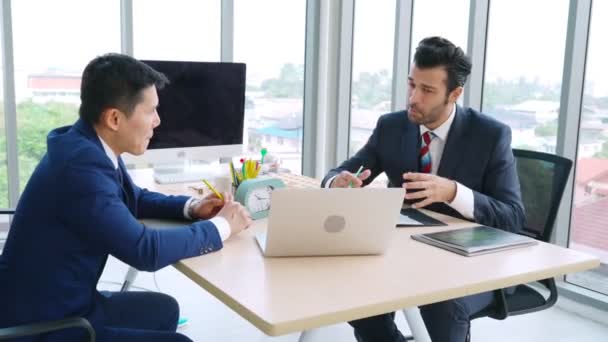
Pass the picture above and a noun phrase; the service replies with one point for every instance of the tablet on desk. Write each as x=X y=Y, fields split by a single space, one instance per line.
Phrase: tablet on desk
x=475 y=240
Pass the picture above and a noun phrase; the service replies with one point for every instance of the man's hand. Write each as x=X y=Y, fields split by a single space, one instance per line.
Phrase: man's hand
x=344 y=179
x=431 y=189
x=208 y=207
x=237 y=216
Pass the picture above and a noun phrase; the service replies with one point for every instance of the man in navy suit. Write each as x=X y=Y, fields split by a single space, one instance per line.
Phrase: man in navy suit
x=458 y=162
x=80 y=205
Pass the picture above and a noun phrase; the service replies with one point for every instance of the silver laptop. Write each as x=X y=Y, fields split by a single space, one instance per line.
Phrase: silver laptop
x=315 y=222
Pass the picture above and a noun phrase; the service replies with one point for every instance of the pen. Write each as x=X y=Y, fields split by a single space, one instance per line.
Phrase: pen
x=232 y=173
x=235 y=178
x=350 y=185
x=213 y=189
x=263 y=153
x=243 y=174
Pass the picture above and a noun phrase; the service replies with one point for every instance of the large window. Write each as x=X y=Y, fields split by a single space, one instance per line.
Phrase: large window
x=3 y=161
x=525 y=58
x=269 y=37
x=590 y=203
x=53 y=42
x=185 y=30
x=451 y=22
x=445 y=18
x=374 y=30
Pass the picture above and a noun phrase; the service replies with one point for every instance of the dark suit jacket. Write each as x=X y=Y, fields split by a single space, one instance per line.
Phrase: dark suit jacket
x=71 y=215
x=477 y=154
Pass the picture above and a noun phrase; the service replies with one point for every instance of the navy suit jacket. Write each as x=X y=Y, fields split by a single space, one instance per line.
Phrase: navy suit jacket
x=477 y=154
x=70 y=217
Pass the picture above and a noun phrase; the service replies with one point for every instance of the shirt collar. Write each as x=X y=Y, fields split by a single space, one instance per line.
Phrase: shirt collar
x=442 y=131
x=109 y=152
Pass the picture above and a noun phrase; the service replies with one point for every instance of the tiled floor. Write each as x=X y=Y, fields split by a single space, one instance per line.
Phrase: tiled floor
x=210 y=320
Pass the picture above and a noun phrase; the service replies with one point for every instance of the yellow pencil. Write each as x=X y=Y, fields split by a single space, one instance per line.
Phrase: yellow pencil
x=213 y=189
x=250 y=169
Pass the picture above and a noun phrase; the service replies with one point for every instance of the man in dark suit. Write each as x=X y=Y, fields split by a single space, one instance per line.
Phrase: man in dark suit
x=458 y=162
x=80 y=205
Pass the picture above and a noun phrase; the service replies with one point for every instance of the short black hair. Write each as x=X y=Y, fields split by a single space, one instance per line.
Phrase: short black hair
x=115 y=81
x=437 y=51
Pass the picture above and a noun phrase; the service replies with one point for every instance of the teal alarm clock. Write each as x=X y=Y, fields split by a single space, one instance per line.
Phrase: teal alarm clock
x=254 y=194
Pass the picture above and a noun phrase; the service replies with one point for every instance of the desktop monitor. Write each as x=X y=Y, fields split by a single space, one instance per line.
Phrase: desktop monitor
x=202 y=112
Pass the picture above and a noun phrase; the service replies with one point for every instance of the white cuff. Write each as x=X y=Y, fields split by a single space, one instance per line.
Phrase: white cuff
x=329 y=181
x=186 y=206
x=222 y=226
x=464 y=201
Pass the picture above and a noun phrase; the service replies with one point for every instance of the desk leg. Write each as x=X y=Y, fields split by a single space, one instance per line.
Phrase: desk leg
x=129 y=279
x=416 y=324
x=310 y=335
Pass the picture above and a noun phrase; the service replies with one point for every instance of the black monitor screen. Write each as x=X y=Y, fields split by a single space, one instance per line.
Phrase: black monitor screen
x=203 y=105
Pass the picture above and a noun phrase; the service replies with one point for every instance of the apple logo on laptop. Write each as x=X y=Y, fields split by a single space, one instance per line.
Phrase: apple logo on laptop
x=334 y=224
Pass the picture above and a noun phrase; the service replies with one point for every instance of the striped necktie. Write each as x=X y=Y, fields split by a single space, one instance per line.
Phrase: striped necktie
x=426 y=164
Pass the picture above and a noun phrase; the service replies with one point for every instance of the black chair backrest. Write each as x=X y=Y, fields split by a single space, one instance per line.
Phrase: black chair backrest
x=543 y=178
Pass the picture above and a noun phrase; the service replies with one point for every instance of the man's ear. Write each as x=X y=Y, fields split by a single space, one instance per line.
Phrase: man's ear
x=110 y=118
x=455 y=94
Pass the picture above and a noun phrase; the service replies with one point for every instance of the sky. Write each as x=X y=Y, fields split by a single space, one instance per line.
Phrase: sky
x=526 y=37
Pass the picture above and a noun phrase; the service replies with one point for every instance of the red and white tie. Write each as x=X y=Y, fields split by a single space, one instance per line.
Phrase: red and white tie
x=426 y=164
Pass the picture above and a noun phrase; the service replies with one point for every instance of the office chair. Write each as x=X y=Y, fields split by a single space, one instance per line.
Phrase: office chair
x=542 y=178
x=32 y=329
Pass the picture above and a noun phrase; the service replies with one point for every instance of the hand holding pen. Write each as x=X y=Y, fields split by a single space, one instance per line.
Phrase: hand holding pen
x=347 y=179
x=209 y=206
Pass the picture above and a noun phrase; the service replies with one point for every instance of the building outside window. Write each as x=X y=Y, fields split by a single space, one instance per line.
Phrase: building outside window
x=588 y=231
x=273 y=49
x=51 y=48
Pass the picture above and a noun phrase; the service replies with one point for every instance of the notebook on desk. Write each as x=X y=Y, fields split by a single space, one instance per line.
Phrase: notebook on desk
x=475 y=240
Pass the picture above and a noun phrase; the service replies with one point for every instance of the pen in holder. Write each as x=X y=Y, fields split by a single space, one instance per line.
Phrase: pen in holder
x=249 y=170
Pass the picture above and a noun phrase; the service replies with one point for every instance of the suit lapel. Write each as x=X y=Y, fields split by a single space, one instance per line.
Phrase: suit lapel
x=127 y=186
x=454 y=145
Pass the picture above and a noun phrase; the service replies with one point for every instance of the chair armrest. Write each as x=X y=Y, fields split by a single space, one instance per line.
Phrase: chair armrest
x=40 y=328
x=7 y=212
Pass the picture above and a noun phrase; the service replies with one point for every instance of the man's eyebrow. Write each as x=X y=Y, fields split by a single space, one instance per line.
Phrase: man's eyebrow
x=424 y=85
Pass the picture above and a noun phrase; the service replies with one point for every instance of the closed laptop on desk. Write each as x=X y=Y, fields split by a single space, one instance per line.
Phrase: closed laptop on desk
x=315 y=222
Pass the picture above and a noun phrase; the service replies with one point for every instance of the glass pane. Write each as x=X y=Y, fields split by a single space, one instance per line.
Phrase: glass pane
x=372 y=72
x=273 y=49
x=452 y=22
x=523 y=81
x=3 y=162
x=588 y=228
x=183 y=30
x=49 y=64
x=428 y=22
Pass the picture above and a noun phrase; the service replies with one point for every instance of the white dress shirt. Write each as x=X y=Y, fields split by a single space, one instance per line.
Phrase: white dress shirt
x=464 y=201
x=221 y=224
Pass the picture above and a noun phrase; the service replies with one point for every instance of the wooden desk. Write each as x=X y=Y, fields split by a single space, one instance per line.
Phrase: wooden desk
x=284 y=295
